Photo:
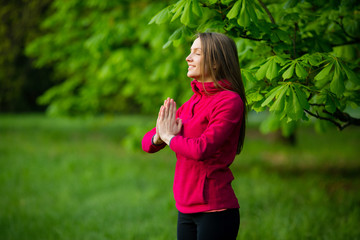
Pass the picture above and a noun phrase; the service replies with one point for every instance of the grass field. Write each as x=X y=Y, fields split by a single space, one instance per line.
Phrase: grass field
x=73 y=179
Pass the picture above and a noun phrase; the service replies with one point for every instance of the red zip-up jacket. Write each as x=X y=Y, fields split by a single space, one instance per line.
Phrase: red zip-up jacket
x=205 y=148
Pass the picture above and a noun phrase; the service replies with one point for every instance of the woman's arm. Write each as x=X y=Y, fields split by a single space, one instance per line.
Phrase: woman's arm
x=148 y=142
x=224 y=118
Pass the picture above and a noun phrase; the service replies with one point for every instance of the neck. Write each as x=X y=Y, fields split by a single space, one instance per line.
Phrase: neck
x=206 y=79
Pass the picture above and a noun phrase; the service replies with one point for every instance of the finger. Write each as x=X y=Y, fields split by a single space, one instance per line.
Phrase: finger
x=161 y=113
x=165 y=103
x=166 y=109
x=171 y=110
x=160 y=110
x=174 y=109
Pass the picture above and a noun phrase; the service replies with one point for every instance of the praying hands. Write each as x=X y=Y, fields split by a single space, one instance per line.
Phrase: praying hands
x=167 y=125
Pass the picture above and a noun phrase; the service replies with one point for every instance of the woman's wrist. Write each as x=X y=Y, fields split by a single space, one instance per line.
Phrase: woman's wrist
x=156 y=140
x=167 y=138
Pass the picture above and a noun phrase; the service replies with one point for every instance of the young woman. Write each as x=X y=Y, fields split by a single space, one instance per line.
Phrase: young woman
x=206 y=133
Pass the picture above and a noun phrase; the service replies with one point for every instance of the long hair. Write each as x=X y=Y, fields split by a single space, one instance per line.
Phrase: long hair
x=221 y=61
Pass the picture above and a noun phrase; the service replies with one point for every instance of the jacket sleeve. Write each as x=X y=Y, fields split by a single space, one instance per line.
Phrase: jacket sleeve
x=147 y=142
x=225 y=116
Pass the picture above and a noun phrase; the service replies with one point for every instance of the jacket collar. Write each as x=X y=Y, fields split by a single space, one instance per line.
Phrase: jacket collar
x=209 y=88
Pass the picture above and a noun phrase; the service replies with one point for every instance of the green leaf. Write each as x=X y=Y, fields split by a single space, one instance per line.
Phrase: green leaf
x=176 y=35
x=283 y=36
x=234 y=11
x=290 y=111
x=301 y=97
x=273 y=70
x=325 y=72
x=167 y=44
x=330 y=104
x=254 y=97
x=278 y=105
x=251 y=11
x=225 y=2
x=196 y=8
x=294 y=109
x=337 y=85
x=352 y=27
x=161 y=17
x=257 y=107
x=260 y=74
x=300 y=71
x=248 y=78
x=248 y=75
x=178 y=9
x=186 y=17
x=279 y=60
x=351 y=74
x=274 y=37
x=289 y=72
x=314 y=59
x=291 y=4
x=244 y=19
x=271 y=95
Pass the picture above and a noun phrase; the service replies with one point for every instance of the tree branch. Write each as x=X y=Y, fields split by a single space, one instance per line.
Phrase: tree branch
x=267 y=11
x=317 y=104
x=341 y=116
x=344 y=117
x=251 y=38
x=343 y=29
x=346 y=43
x=239 y=33
x=324 y=118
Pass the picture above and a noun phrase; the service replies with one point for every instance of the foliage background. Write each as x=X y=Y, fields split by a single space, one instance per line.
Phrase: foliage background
x=111 y=60
x=299 y=59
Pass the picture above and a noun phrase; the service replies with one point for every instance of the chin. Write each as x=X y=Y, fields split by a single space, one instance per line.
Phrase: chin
x=192 y=75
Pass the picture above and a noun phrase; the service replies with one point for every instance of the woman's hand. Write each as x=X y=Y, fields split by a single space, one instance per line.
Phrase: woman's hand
x=167 y=126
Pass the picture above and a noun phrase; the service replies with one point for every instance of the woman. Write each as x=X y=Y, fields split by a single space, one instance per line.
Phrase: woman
x=206 y=133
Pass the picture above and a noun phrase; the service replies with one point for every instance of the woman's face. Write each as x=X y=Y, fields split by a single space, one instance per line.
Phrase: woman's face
x=194 y=61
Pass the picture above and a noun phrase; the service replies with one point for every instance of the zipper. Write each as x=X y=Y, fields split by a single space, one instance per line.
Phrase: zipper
x=193 y=106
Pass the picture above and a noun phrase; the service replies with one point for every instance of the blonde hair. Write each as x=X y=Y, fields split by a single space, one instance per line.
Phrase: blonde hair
x=221 y=61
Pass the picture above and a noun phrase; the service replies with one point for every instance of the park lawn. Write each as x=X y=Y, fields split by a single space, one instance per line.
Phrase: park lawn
x=74 y=179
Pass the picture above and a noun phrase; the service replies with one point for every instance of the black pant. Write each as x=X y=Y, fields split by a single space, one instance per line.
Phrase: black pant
x=222 y=225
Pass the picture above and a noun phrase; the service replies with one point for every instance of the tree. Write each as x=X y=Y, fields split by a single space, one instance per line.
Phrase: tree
x=20 y=82
x=299 y=59
x=108 y=56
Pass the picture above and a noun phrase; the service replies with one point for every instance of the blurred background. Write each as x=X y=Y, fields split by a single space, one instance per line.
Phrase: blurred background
x=81 y=82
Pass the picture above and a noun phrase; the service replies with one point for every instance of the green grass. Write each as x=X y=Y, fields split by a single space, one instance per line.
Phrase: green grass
x=73 y=179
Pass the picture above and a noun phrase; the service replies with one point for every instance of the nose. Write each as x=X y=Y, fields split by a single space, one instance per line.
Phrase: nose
x=188 y=58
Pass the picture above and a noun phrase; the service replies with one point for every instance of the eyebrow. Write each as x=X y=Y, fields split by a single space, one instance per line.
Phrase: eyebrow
x=195 y=48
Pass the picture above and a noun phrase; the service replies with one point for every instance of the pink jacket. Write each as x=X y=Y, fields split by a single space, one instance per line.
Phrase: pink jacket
x=205 y=148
